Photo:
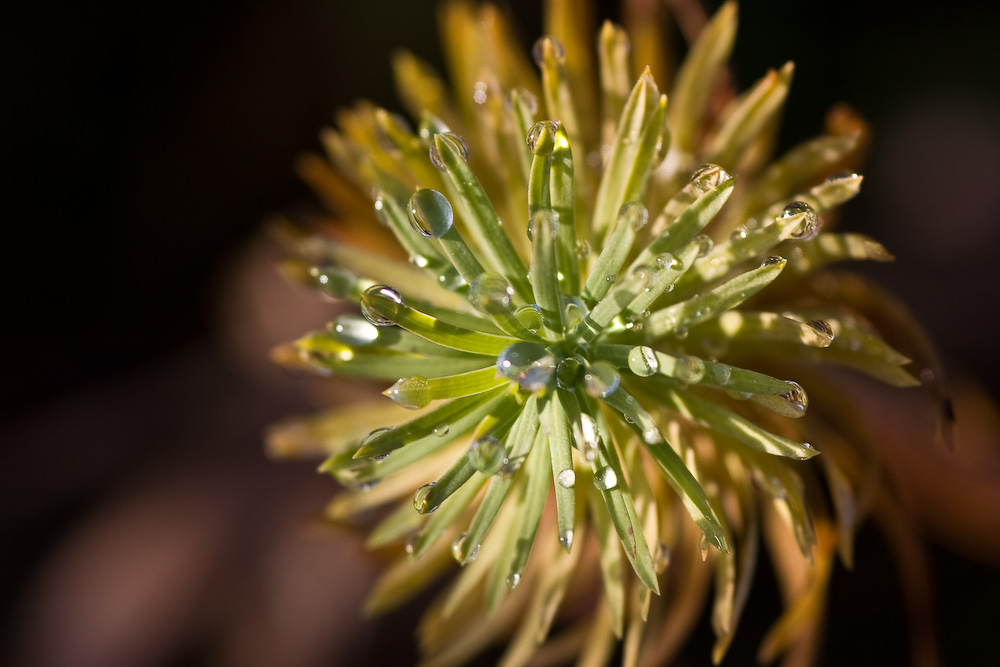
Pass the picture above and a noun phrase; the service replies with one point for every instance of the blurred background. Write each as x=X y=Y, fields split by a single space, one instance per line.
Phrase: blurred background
x=142 y=523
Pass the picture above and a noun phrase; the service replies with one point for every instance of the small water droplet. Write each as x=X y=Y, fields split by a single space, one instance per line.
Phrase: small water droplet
x=705 y=244
x=541 y=137
x=430 y=213
x=739 y=234
x=771 y=261
x=810 y=221
x=633 y=213
x=487 y=455
x=543 y=217
x=333 y=281
x=374 y=306
x=411 y=393
x=703 y=544
x=491 y=293
x=530 y=365
x=601 y=379
x=354 y=330
x=373 y=434
x=530 y=317
x=652 y=436
x=419 y=261
x=843 y=177
x=590 y=436
x=661 y=557
x=566 y=478
x=573 y=311
x=642 y=361
x=709 y=176
x=513 y=579
x=569 y=372
x=526 y=97
x=539 y=48
x=441 y=430
x=605 y=479
x=667 y=260
x=458 y=545
x=450 y=279
x=566 y=539
x=457 y=143
x=420 y=500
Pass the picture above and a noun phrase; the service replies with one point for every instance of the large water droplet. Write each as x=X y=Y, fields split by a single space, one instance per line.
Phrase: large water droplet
x=569 y=372
x=457 y=547
x=810 y=222
x=372 y=435
x=566 y=539
x=705 y=244
x=818 y=333
x=796 y=398
x=456 y=141
x=541 y=137
x=354 y=330
x=487 y=455
x=633 y=213
x=566 y=478
x=412 y=393
x=539 y=48
x=530 y=317
x=689 y=369
x=642 y=361
x=333 y=281
x=373 y=304
x=431 y=214
x=420 y=499
x=708 y=176
x=605 y=479
x=491 y=293
x=530 y=365
x=601 y=379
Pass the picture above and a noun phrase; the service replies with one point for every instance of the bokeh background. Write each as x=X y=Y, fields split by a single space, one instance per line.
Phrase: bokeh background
x=142 y=147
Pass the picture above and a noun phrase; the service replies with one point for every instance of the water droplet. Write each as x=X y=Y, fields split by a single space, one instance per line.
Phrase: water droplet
x=661 y=557
x=810 y=221
x=539 y=48
x=633 y=213
x=601 y=379
x=450 y=279
x=333 y=281
x=566 y=478
x=641 y=276
x=420 y=500
x=355 y=330
x=574 y=311
x=796 y=398
x=419 y=261
x=441 y=430
x=739 y=234
x=582 y=249
x=667 y=261
x=530 y=365
x=704 y=548
x=819 y=333
x=457 y=143
x=374 y=306
x=605 y=479
x=546 y=217
x=689 y=370
x=491 y=293
x=771 y=261
x=368 y=438
x=541 y=137
x=412 y=393
x=530 y=317
x=458 y=545
x=513 y=579
x=705 y=244
x=642 y=361
x=590 y=437
x=431 y=214
x=569 y=372
x=566 y=539
x=708 y=176
x=526 y=97
x=843 y=177
x=487 y=455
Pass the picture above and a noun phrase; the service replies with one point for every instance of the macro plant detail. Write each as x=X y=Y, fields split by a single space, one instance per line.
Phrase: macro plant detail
x=607 y=312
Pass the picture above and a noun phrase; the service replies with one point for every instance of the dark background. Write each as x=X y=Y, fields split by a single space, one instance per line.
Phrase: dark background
x=142 y=148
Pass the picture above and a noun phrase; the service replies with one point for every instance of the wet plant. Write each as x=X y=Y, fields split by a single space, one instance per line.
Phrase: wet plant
x=597 y=341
